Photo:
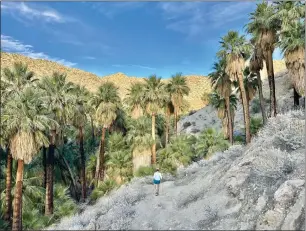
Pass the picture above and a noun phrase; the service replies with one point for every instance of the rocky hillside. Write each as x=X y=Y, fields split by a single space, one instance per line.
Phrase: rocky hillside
x=198 y=84
x=258 y=187
x=207 y=116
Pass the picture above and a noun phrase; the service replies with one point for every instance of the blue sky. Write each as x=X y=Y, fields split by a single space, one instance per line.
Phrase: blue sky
x=136 y=38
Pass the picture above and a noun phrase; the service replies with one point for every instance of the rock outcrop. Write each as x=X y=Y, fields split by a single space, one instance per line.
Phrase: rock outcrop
x=260 y=186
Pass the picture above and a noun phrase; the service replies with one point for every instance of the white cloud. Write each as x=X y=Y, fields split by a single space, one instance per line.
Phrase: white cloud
x=194 y=18
x=89 y=57
x=12 y=45
x=25 y=11
x=132 y=65
x=110 y=9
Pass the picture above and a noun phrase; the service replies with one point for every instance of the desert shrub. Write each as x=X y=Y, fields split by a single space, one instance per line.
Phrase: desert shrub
x=144 y=171
x=210 y=142
x=168 y=166
x=255 y=125
x=291 y=137
x=179 y=151
x=104 y=188
x=255 y=106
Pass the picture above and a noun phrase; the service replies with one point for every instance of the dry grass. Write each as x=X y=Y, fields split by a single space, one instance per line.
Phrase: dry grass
x=197 y=83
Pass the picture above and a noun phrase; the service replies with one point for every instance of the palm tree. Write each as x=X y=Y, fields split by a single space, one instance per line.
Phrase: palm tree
x=154 y=96
x=219 y=103
x=140 y=139
x=250 y=84
x=222 y=84
x=119 y=158
x=169 y=110
x=134 y=100
x=235 y=49
x=12 y=82
x=264 y=26
x=79 y=120
x=17 y=78
x=26 y=126
x=58 y=97
x=256 y=65
x=178 y=88
x=292 y=43
x=106 y=102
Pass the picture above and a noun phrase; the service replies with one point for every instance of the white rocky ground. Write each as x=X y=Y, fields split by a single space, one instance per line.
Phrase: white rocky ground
x=260 y=186
x=207 y=116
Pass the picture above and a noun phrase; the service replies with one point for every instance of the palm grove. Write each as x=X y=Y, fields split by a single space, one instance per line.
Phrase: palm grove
x=62 y=143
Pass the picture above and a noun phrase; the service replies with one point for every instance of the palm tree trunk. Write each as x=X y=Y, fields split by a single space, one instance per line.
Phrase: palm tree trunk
x=49 y=181
x=270 y=71
x=261 y=98
x=82 y=154
x=8 y=188
x=92 y=130
x=167 y=127
x=44 y=155
x=245 y=110
x=229 y=117
x=100 y=174
x=296 y=98
x=154 y=142
x=175 y=120
x=17 y=213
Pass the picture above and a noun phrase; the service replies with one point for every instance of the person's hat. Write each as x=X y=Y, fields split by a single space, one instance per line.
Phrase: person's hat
x=157 y=169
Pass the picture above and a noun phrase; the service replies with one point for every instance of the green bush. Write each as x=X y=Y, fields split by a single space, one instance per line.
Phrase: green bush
x=168 y=166
x=210 y=142
x=239 y=139
x=104 y=188
x=144 y=171
x=255 y=106
x=255 y=125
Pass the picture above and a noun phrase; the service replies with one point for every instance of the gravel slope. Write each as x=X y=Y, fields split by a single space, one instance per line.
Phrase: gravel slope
x=256 y=187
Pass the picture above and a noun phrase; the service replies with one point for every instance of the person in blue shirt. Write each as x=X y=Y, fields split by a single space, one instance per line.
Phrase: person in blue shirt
x=156 y=181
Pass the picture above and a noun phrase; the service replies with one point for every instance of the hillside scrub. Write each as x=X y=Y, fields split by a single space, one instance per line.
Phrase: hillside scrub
x=241 y=188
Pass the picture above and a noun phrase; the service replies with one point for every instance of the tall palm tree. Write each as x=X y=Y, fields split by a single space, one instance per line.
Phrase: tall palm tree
x=169 y=110
x=58 y=96
x=236 y=49
x=292 y=42
x=119 y=158
x=17 y=78
x=265 y=26
x=12 y=82
x=26 y=126
x=222 y=84
x=134 y=100
x=219 y=103
x=250 y=84
x=178 y=88
x=106 y=102
x=140 y=139
x=154 y=96
x=256 y=65
x=79 y=120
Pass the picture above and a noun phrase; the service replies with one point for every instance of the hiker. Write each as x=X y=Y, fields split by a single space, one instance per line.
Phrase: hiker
x=156 y=181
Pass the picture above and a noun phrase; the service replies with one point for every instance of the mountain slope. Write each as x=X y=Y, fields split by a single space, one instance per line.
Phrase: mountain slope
x=197 y=83
x=260 y=187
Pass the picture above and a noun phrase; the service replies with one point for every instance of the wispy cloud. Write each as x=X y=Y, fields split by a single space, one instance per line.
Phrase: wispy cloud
x=10 y=44
x=33 y=12
x=194 y=18
x=89 y=57
x=110 y=9
x=132 y=65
